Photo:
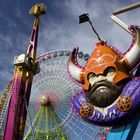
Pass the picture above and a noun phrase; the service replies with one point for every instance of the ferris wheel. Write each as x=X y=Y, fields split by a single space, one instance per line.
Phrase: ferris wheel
x=49 y=113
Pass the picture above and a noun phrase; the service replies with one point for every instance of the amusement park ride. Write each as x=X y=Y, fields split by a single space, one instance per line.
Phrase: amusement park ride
x=25 y=69
x=39 y=108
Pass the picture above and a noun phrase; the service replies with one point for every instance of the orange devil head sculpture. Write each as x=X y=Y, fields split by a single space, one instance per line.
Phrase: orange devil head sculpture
x=99 y=63
x=103 y=58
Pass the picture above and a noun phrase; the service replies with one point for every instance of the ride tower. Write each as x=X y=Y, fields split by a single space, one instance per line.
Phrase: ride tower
x=25 y=69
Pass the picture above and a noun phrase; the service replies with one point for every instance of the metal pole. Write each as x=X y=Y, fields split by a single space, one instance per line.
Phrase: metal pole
x=122 y=10
x=126 y=8
x=25 y=69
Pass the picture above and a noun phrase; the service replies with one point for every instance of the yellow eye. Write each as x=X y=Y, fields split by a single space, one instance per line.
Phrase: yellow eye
x=91 y=75
x=109 y=70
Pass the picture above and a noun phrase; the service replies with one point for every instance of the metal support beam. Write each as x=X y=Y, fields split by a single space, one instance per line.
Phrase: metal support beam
x=122 y=10
x=126 y=8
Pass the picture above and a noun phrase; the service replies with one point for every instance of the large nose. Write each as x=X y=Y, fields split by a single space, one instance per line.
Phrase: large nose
x=95 y=79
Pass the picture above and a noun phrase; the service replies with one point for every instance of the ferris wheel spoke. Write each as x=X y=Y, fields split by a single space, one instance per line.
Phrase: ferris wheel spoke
x=57 y=122
x=34 y=123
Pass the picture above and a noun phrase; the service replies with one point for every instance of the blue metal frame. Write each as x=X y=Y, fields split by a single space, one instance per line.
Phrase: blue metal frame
x=124 y=132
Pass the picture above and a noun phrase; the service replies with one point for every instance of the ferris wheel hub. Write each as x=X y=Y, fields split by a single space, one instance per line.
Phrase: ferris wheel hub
x=44 y=100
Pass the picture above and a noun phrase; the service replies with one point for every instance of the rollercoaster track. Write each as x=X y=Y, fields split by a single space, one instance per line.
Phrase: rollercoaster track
x=4 y=102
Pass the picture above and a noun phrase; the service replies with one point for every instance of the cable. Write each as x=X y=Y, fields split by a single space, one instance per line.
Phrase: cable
x=29 y=120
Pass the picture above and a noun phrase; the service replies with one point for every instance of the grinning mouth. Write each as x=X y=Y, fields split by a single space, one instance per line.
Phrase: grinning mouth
x=103 y=93
x=101 y=87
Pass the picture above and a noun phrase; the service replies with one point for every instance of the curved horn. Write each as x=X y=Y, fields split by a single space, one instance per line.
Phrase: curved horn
x=132 y=56
x=73 y=68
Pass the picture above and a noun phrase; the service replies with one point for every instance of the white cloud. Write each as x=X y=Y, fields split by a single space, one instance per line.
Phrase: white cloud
x=5 y=77
x=69 y=33
x=66 y=33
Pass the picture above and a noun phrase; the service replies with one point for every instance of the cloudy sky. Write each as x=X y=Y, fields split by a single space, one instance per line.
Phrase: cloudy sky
x=59 y=28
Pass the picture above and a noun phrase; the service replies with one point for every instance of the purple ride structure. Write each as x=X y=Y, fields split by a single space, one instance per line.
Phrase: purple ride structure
x=25 y=69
